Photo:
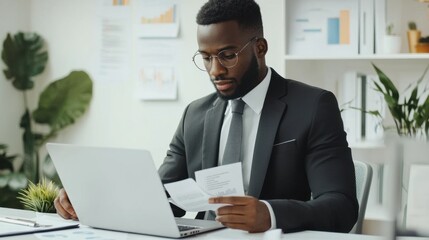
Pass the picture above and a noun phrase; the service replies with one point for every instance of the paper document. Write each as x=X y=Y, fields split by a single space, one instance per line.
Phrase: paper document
x=194 y=196
x=226 y=180
x=45 y=223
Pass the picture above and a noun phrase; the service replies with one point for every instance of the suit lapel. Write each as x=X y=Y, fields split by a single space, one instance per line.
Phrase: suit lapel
x=272 y=112
x=212 y=128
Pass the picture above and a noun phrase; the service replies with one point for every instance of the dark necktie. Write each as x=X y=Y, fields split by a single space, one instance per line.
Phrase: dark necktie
x=232 y=152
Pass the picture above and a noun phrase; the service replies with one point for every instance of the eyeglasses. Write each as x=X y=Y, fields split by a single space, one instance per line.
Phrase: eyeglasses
x=226 y=58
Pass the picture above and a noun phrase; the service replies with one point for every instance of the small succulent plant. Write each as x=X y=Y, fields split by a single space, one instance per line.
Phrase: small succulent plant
x=412 y=25
x=39 y=197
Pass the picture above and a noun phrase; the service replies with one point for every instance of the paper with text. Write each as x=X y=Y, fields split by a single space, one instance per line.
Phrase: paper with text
x=194 y=196
x=226 y=180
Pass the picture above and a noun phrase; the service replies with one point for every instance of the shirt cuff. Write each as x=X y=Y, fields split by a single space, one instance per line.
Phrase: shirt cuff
x=272 y=216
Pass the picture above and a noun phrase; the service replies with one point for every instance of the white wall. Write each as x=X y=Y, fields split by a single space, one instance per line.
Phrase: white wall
x=14 y=17
x=115 y=117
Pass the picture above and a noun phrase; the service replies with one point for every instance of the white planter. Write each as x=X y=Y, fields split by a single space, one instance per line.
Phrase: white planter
x=391 y=44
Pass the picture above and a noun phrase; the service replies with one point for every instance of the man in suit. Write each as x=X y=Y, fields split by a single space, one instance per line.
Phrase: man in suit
x=294 y=142
x=298 y=172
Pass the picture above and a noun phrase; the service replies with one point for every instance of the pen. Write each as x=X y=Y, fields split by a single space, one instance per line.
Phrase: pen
x=19 y=221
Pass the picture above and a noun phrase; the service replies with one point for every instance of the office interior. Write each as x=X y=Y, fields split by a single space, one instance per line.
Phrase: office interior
x=117 y=117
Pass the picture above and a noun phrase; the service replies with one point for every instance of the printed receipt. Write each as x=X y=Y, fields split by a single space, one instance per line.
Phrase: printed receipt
x=193 y=196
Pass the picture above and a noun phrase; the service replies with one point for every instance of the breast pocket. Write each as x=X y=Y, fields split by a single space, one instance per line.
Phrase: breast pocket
x=284 y=142
x=284 y=150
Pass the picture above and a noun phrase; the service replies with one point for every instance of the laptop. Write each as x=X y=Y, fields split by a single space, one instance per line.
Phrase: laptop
x=120 y=189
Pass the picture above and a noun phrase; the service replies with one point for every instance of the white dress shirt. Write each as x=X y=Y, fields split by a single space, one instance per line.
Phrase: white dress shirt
x=251 y=115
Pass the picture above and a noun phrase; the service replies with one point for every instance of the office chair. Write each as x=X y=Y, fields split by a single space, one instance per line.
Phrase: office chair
x=363 y=173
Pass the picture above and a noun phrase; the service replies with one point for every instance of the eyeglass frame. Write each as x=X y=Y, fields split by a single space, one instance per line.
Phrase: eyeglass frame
x=218 y=58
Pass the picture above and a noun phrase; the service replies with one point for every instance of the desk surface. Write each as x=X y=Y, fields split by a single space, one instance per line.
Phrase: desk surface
x=85 y=232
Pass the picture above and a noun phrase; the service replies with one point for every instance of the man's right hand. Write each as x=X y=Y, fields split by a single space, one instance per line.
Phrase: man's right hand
x=63 y=206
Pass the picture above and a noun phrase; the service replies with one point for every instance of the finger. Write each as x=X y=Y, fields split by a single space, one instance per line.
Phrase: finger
x=60 y=210
x=227 y=219
x=231 y=210
x=65 y=204
x=231 y=200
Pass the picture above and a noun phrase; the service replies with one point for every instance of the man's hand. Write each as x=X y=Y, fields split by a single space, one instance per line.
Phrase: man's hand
x=245 y=213
x=63 y=206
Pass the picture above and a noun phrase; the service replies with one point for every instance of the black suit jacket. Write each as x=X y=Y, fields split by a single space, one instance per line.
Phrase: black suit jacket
x=302 y=164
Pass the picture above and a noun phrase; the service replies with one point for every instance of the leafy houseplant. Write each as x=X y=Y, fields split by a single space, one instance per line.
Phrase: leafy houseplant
x=40 y=197
x=410 y=113
x=60 y=104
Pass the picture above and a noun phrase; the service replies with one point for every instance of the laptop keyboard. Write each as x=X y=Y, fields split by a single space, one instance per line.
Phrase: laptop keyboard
x=186 y=228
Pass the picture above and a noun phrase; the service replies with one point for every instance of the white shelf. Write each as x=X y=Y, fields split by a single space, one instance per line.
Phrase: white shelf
x=402 y=56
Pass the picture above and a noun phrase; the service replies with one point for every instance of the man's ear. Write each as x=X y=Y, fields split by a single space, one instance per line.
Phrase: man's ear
x=261 y=47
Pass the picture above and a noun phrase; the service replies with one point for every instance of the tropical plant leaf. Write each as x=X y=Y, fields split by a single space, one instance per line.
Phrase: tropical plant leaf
x=387 y=83
x=64 y=100
x=24 y=59
x=6 y=160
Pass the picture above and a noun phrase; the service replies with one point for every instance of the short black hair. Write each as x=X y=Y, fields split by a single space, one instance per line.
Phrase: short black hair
x=245 y=12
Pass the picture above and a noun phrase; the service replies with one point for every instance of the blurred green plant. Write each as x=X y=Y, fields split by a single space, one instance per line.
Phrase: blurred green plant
x=60 y=104
x=39 y=197
x=410 y=111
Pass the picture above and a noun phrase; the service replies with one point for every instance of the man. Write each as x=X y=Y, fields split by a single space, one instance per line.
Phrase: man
x=297 y=168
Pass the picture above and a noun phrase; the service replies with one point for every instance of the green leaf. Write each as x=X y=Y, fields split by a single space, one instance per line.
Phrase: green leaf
x=387 y=83
x=5 y=159
x=24 y=59
x=64 y=101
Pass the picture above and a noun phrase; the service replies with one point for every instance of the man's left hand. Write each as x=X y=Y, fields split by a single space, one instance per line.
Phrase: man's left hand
x=245 y=213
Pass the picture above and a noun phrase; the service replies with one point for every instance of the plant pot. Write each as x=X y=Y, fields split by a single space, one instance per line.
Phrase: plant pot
x=413 y=39
x=422 y=47
x=392 y=44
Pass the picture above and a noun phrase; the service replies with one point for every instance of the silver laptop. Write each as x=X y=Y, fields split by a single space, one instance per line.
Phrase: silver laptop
x=120 y=189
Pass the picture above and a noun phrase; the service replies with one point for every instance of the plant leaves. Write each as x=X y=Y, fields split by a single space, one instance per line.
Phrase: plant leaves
x=390 y=88
x=64 y=100
x=6 y=160
x=24 y=58
x=409 y=117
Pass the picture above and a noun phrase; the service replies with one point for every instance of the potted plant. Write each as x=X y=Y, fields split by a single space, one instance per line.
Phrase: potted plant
x=60 y=104
x=413 y=37
x=392 y=42
x=410 y=111
x=40 y=197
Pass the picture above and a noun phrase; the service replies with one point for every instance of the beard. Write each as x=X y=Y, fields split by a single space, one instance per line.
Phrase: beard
x=247 y=83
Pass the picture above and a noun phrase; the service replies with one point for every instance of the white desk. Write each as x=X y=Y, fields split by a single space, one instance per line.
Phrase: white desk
x=225 y=234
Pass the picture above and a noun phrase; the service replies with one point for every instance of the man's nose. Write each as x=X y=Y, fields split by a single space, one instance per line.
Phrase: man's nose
x=216 y=68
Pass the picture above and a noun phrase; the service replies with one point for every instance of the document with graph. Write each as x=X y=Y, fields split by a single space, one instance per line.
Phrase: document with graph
x=193 y=196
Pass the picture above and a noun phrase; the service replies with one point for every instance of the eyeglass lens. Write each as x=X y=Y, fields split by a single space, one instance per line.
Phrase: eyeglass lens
x=227 y=58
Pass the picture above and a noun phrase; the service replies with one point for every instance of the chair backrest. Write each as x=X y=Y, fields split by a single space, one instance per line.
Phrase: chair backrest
x=363 y=173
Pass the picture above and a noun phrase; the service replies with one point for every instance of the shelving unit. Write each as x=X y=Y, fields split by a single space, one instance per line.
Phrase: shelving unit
x=325 y=71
